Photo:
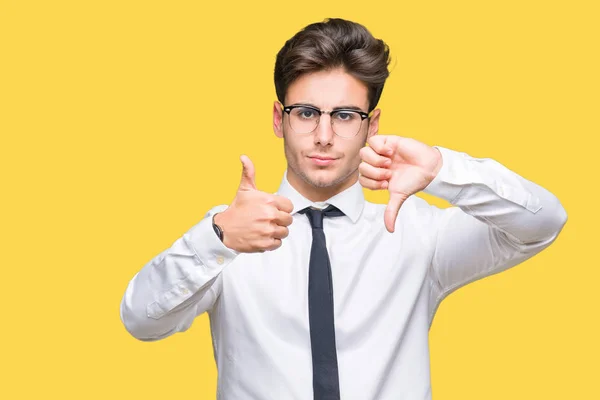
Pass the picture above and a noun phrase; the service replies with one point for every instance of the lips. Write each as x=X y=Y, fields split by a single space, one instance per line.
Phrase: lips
x=318 y=157
x=322 y=160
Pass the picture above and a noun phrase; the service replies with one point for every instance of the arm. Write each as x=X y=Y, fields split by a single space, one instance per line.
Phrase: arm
x=185 y=280
x=177 y=285
x=498 y=220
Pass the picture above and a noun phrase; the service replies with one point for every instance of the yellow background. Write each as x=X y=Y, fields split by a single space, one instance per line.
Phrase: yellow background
x=122 y=123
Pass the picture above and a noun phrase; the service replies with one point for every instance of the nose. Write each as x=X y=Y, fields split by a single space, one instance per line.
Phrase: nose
x=324 y=132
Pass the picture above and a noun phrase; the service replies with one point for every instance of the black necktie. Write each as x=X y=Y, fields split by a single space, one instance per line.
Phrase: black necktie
x=326 y=384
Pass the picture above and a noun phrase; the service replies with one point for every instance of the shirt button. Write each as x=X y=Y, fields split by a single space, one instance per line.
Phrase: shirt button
x=220 y=260
x=184 y=291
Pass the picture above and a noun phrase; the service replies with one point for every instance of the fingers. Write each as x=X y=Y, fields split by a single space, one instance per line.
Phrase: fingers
x=380 y=144
x=370 y=156
x=391 y=211
x=375 y=173
x=269 y=245
x=280 y=232
x=247 y=182
x=372 y=184
x=273 y=244
x=271 y=238
x=282 y=203
x=274 y=240
x=283 y=218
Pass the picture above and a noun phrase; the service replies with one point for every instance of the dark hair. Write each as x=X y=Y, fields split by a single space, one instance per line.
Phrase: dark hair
x=331 y=44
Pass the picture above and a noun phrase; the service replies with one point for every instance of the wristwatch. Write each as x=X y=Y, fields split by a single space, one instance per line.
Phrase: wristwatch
x=217 y=228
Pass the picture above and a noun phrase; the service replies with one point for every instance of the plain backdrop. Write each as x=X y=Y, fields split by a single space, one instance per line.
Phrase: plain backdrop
x=122 y=123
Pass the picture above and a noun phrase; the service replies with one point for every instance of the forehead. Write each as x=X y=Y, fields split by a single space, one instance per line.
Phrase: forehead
x=328 y=89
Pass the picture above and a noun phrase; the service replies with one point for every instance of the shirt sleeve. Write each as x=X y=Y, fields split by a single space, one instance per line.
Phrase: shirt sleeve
x=497 y=220
x=178 y=284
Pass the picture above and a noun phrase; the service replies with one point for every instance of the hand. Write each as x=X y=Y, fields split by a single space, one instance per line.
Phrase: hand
x=255 y=221
x=401 y=165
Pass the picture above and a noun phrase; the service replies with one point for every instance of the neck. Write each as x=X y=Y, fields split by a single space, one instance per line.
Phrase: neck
x=314 y=193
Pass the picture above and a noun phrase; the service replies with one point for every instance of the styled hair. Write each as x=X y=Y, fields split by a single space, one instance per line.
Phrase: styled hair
x=331 y=44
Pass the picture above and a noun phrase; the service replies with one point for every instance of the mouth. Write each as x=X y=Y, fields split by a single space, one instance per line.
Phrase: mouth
x=322 y=160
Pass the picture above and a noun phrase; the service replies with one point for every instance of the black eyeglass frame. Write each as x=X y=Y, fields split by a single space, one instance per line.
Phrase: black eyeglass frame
x=363 y=116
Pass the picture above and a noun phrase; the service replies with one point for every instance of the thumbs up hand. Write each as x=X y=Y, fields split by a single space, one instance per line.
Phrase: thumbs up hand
x=255 y=221
x=403 y=166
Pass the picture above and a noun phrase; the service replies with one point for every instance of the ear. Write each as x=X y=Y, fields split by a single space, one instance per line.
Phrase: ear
x=374 y=123
x=278 y=119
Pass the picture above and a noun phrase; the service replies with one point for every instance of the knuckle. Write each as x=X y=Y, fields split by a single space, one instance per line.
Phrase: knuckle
x=266 y=244
x=267 y=213
x=270 y=199
x=285 y=220
x=271 y=214
x=290 y=205
x=366 y=183
x=268 y=230
x=285 y=204
x=271 y=244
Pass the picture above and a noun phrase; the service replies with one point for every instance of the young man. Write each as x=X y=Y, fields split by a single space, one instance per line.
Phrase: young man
x=313 y=292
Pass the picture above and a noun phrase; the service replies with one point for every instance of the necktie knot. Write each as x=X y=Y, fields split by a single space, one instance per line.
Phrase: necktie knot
x=315 y=216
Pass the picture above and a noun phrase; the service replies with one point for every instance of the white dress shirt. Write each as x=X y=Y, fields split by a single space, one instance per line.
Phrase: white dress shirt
x=386 y=286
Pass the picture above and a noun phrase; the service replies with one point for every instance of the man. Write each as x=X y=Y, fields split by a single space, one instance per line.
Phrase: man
x=313 y=292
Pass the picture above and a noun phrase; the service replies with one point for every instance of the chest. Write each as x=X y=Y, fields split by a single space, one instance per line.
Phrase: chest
x=372 y=271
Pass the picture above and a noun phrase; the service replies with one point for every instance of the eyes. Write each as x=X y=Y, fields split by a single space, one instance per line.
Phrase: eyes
x=307 y=113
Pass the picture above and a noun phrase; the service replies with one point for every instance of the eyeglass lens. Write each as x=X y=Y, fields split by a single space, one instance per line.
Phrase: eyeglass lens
x=344 y=123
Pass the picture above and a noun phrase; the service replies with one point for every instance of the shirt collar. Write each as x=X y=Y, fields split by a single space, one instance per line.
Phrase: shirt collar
x=350 y=201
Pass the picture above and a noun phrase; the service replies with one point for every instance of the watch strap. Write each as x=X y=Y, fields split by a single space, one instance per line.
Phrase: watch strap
x=217 y=228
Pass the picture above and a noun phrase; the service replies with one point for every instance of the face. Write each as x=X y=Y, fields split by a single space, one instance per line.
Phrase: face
x=321 y=163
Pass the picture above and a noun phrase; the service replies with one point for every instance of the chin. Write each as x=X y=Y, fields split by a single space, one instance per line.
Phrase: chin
x=323 y=178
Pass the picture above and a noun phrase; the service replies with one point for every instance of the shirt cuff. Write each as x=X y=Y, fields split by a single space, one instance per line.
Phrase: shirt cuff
x=206 y=244
x=444 y=185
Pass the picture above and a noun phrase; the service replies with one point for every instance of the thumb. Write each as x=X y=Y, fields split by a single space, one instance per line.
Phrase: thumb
x=247 y=182
x=391 y=211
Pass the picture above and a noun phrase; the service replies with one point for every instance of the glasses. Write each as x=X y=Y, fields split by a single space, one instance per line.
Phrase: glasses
x=344 y=122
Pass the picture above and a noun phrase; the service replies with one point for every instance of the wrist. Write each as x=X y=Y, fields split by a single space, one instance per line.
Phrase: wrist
x=439 y=163
x=217 y=227
x=220 y=224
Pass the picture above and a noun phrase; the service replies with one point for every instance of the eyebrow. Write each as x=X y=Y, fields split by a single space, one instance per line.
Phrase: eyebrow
x=345 y=107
